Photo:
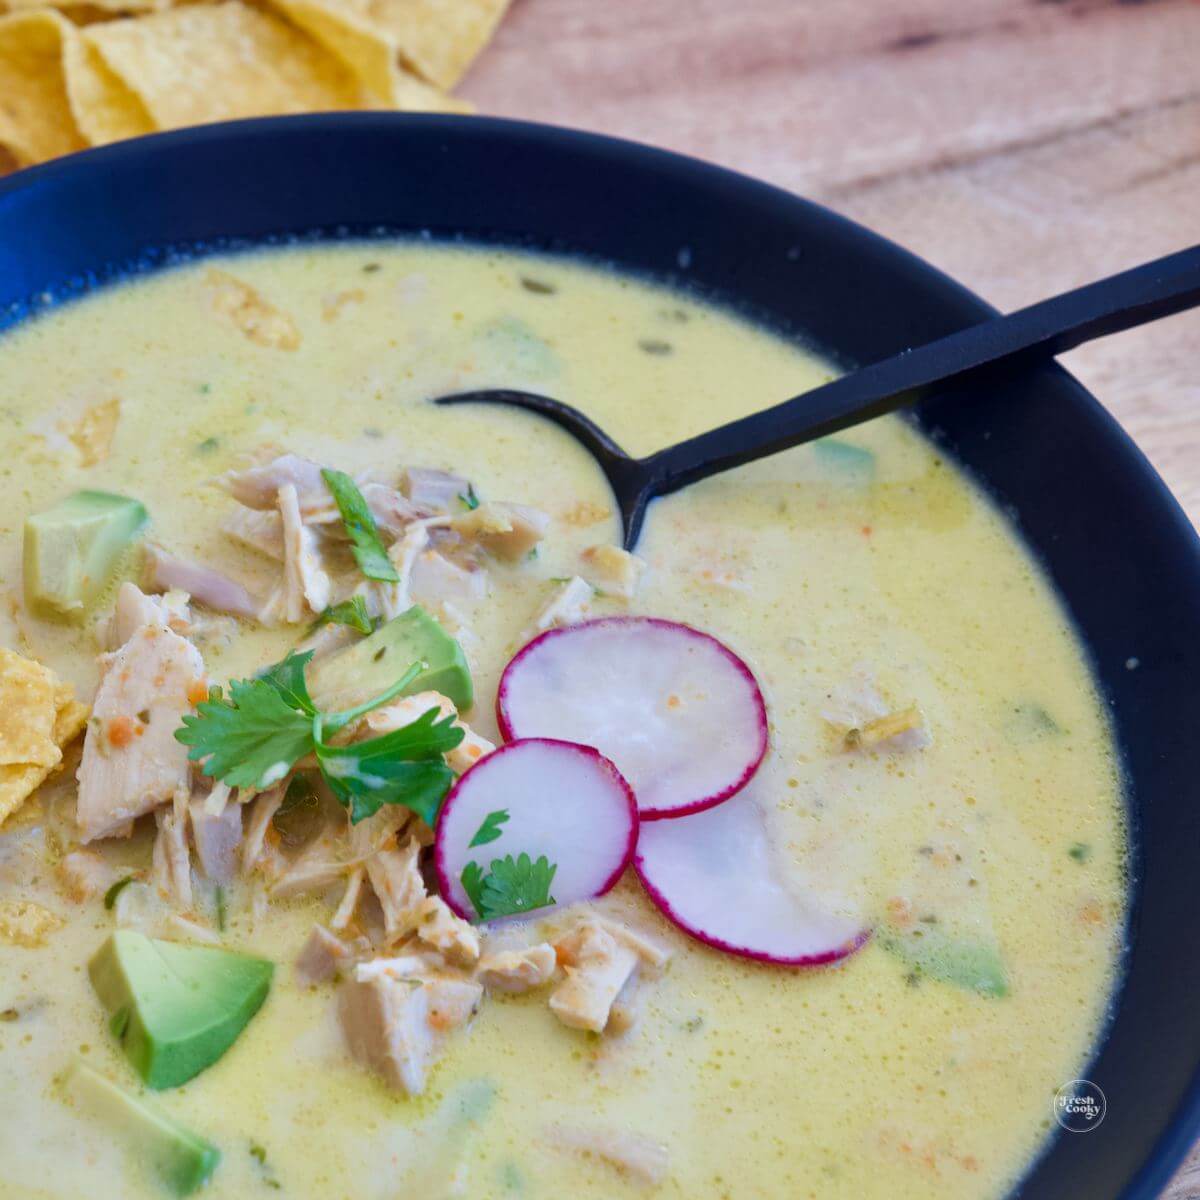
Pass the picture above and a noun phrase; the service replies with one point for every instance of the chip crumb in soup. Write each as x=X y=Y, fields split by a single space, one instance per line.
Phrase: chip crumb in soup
x=374 y=825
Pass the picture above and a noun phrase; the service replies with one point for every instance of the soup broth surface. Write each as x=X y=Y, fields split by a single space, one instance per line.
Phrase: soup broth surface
x=869 y=562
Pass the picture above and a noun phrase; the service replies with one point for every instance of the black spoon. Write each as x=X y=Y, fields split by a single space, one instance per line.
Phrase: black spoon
x=1135 y=297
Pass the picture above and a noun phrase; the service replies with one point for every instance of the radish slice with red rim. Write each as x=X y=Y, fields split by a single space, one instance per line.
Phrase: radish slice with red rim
x=713 y=875
x=679 y=713
x=543 y=798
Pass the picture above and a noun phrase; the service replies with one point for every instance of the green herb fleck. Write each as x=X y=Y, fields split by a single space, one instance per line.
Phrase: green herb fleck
x=1081 y=852
x=352 y=613
x=208 y=445
x=655 y=346
x=110 y=897
x=537 y=286
x=470 y=500
x=490 y=830
x=205 y=388
x=258 y=1153
x=511 y=887
x=222 y=913
x=972 y=965
x=360 y=525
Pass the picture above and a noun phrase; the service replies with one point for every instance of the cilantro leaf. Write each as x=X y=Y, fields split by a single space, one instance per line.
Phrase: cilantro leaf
x=287 y=678
x=250 y=740
x=511 y=887
x=402 y=767
x=490 y=830
x=360 y=527
x=472 y=881
x=352 y=613
x=469 y=499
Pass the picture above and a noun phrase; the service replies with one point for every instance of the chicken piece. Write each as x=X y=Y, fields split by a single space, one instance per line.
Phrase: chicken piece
x=25 y=924
x=569 y=605
x=255 y=530
x=217 y=837
x=312 y=872
x=176 y=926
x=597 y=967
x=643 y=1160
x=613 y=570
x=437 y=582
x=348 y=905
x=84 y=874
x=306 y=585
x=388 y=600
x=379 y=831
x=171 y=866
x=395 y=876
x=134 y=608
x=414 y=964
x=324 y=956
x=518 y=970
x=404 y=712
x=254 y=316
x=652 y=956
x=131 y=760
x=163 y=572
x=398 y=1027
x=258 y=487
x=437 y=927
x=509 y=531
x=441 y=491
x=393 y=511
x=266 y=805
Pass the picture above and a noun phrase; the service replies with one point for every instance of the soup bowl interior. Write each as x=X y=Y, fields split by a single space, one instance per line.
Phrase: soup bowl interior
x=1116 y=545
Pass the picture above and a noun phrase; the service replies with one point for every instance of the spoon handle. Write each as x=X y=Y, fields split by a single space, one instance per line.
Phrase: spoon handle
x=1041 y=331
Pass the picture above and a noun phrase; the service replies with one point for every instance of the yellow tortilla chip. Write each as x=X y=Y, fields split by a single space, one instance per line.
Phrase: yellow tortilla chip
x=256 y=317
x=36 y=121
x=24 y=923
x=347 y=30
x=17 y=783
x=439 y=39
x=93 y=432
x=28 y=706
x=105 y=109
x=71 y=720
x=218 y=62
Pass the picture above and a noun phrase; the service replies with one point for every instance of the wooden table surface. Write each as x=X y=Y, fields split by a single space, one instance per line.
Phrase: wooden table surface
x=1024 y=146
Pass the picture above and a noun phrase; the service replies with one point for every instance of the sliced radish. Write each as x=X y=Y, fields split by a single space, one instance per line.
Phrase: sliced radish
x=679 y=713
x=713 y=875
x=561 y=800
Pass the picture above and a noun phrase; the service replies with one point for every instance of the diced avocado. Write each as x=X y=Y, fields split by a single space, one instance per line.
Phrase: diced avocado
x=355 y=675
x=970 y=964
x=183 y=1160
x=174 y=1008
x=853 y=462
x=72 y=549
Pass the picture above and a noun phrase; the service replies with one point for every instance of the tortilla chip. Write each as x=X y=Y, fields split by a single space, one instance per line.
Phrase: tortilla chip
x=36 y=121
x=28 y=706
x=105 y=109
x=93 y=432
x=256 y=317
x=439 y=39
x=24 y=923
x=219 y=62
x=71 y=720
x=347 y=30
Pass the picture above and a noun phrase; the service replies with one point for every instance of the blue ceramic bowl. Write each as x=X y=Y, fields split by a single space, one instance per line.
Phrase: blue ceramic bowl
x=1116 y=544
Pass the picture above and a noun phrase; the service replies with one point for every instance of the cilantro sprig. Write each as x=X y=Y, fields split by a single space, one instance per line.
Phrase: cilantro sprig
x=511 y=887
x=360 y=525
x=490 y=829
x=268 y=724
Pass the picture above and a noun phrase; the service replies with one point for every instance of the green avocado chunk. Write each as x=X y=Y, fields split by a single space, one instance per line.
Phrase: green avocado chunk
x=183 y=1160
x=72 y=548
x=175 y=1008
x=972 y=965
x=355 y=675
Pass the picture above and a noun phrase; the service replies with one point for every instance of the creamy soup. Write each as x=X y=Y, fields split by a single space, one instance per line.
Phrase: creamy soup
x=940 y=768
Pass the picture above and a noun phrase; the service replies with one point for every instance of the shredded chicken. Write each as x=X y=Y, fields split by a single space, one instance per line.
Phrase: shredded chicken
x=411 y=965
x=84 y=874
x=179 y=926
x=172 y=865
x=266 y=805
x=217 y=838
x=508 y=531
x=437 y=582
x=569 y=605
x=518 y=970
x=348 y=905
x=260 y=531
x=306 y=586
x=324 y=956
x=437 y=927
x=312 y=872
x=389 y=600
x=258 y=486
x=134 y=609
x=404 y=712
x=395 y=876
x=131 y=759
x=643 y=1160
x=613 y=570
x=430 y=488
x=398 y=1027
x=164 y=572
